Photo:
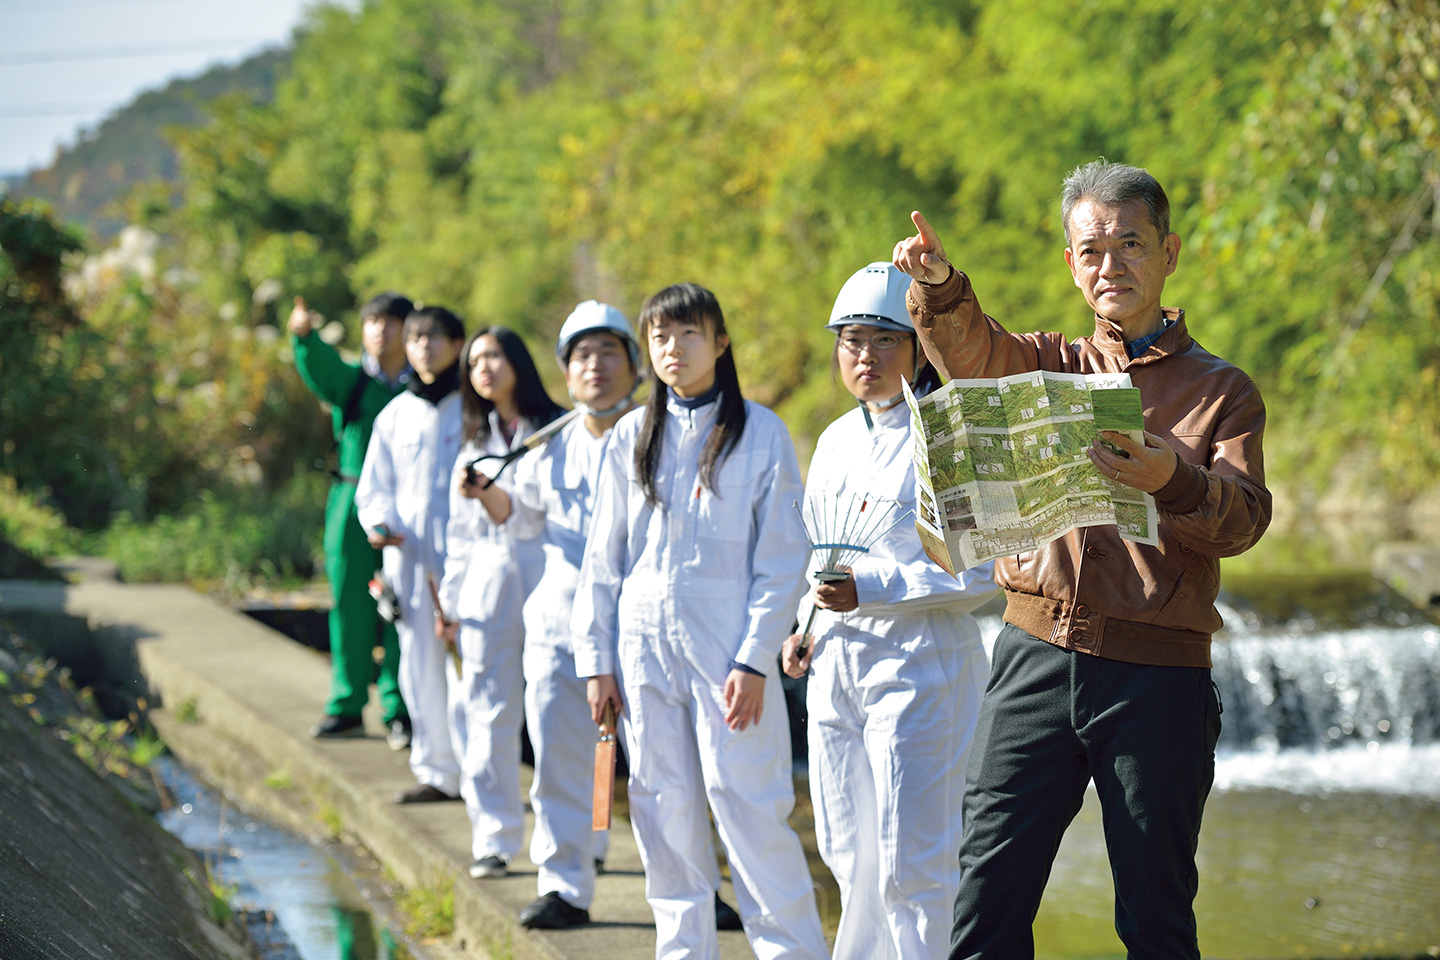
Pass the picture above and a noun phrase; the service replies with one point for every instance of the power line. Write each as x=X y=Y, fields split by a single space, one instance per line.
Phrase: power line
x=50 y=5
x=26 y=110
x=119 y=53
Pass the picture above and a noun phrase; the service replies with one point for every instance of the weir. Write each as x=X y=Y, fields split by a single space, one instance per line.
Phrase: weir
x=1330 y=690
x=1329 y=687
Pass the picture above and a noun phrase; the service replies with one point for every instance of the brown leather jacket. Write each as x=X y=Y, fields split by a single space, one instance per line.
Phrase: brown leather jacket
x=1090 y=590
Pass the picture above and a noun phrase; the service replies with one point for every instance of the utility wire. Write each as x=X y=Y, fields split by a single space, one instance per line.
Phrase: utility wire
x=24 y=110
x=47 y=6
x=118 y=53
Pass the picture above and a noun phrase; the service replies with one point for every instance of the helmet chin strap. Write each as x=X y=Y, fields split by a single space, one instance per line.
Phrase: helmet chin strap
x=626 y=402
x=869 y=406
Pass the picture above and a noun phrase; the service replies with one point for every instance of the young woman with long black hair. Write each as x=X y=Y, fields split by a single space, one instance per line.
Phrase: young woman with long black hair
x=488 y=573
x=687 y=589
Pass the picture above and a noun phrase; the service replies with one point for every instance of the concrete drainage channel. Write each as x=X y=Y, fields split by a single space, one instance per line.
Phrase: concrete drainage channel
x=297 y=900
x=281 y=895
x=234 y=700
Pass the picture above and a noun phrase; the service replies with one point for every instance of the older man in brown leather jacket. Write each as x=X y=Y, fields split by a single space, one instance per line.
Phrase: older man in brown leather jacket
x=1102 y=671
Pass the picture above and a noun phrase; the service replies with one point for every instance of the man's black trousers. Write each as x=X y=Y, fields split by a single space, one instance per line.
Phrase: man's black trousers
x=1053 y=720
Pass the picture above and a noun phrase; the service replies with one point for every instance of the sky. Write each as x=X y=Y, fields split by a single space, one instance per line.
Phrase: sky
x=67 y=64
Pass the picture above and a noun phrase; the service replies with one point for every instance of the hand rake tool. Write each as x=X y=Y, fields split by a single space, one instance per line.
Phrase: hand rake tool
x=842 y=528
x=519 y=450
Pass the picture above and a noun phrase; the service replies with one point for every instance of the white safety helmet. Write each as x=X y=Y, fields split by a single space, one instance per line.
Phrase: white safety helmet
x=874 y=296
x=590 y=317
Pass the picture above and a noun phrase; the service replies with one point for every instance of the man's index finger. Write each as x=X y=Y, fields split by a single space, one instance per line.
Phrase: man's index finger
x=927 y=232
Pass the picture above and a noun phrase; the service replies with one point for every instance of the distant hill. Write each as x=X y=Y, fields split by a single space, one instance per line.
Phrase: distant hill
x=86 y=181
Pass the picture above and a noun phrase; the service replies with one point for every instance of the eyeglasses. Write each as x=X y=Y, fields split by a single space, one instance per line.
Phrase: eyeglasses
x=880 y=343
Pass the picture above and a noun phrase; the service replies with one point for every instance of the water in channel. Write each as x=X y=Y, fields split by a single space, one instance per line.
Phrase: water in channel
x=299 y=903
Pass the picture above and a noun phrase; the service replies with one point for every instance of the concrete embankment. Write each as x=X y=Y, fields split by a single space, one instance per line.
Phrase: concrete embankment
x=233 y=700
x=84 y=873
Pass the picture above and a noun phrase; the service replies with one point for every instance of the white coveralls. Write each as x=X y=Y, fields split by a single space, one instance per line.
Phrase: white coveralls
x=667 y=598
x=405 y=485
x=893 y=701
x=489 y=571
x=553 y=492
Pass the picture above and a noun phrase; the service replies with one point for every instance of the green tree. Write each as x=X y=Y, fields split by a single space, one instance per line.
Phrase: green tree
x=509 y=158
x=47 y=357
x=1327 y=215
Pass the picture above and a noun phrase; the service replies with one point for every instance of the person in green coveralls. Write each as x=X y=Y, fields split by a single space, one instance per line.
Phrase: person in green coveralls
x=356 y=392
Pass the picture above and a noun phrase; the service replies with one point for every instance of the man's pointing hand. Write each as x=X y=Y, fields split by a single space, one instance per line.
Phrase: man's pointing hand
x=922 y=256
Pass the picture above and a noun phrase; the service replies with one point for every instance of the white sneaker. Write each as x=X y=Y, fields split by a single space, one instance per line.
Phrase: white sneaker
x=398 y=736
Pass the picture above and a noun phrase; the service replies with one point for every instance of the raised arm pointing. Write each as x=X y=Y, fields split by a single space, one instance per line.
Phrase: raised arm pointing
x=922 y=255
x=302 y=320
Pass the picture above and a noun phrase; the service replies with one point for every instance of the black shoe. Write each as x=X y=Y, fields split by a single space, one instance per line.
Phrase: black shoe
x=334 y=728
x=424 y=794
x=551 y=912
x=725 y=916
x=492 y=866
x=599 y=866
x=397 y=735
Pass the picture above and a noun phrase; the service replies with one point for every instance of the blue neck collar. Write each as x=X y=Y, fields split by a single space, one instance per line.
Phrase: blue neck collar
x=695 y=403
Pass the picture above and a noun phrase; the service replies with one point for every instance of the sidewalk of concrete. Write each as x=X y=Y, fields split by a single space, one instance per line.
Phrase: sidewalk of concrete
x=234 y=701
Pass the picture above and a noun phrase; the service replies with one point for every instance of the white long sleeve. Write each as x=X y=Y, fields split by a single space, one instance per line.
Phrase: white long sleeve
x=375 y=493
x=711 y=573
x=405 y=481
x=594 y=619
x=895 y=578
x=780 y=550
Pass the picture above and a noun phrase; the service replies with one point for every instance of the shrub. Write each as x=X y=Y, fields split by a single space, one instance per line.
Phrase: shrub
x=229 y=540
x=31 y=525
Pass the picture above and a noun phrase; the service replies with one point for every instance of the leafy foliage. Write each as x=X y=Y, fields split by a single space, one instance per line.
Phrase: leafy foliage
x=227 y=544
x=1332 y=211
x=121 y=396
x=509 y=158
x=31 y=526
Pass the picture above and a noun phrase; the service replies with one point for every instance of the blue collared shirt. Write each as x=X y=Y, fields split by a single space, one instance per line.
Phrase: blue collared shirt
x=1136 y=347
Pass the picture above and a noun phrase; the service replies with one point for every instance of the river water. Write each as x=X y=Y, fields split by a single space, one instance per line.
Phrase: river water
x=298 y=901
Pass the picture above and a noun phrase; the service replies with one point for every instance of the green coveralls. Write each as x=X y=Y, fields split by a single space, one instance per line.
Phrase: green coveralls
x=350 y=561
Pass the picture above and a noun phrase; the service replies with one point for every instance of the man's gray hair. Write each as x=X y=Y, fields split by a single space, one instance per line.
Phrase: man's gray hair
x=1111 y=184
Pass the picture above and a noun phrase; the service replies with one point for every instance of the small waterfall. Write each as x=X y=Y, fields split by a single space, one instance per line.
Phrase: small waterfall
x=1330 y=689
x=1344 y=699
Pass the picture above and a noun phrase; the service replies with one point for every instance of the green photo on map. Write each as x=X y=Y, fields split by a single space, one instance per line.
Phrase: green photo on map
x=1027 y=400
x=1133 y=519
x=992 y=452
x=1075 y=437
x=1118 y=408
x=982 y=406
x=1067 y=398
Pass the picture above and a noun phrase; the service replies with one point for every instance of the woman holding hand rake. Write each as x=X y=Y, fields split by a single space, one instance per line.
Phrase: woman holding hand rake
x=898 y=665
